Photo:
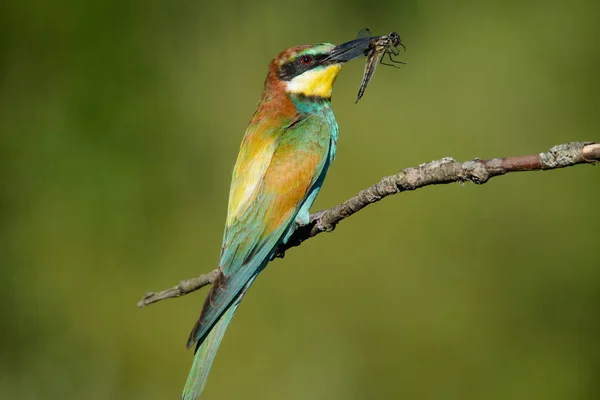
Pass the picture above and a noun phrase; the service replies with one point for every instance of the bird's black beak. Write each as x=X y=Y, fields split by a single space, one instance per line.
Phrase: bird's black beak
x=350 y=50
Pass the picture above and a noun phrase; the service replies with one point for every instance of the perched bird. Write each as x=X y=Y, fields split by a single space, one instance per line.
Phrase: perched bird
x=288 y=147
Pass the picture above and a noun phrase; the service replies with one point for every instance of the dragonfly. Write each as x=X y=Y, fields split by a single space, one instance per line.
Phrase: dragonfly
x=378 y=48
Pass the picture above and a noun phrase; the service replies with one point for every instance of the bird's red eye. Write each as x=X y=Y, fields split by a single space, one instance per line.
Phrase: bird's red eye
x=306 y=59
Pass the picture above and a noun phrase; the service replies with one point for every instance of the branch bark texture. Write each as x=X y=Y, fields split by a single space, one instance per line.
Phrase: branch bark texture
x=446 y=170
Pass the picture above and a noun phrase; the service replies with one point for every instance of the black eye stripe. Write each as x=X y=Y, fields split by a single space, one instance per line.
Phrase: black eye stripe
x=295 y=67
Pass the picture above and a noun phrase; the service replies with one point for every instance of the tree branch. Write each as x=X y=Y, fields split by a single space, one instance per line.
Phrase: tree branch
x=438 y=172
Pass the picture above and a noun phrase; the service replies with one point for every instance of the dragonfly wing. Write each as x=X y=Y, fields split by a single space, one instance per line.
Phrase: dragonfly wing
x=364 y=33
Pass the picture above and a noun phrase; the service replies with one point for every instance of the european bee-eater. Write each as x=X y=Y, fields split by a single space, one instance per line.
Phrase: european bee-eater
x=288 y=147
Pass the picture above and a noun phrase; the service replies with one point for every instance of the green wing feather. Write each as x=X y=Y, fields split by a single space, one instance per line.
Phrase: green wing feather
x=299 y=155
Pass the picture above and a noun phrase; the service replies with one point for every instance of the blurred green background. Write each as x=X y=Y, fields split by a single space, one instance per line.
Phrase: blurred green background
x=120 y=123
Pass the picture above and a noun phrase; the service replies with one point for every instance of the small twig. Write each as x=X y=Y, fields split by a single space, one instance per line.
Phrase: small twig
x=443 y=171
x=184 y=287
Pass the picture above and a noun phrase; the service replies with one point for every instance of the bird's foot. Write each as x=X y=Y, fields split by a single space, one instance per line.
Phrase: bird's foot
x=317 y=219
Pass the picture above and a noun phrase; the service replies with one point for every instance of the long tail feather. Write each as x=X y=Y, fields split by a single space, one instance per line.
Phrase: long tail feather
x=205 y=354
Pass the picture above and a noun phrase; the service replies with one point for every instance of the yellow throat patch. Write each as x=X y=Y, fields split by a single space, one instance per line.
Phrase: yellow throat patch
x=315 y=82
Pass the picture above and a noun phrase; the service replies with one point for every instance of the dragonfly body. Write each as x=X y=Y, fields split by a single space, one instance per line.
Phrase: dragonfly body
x=378 y=47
